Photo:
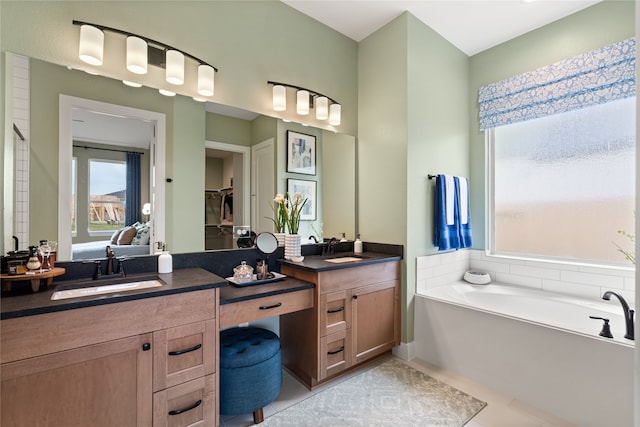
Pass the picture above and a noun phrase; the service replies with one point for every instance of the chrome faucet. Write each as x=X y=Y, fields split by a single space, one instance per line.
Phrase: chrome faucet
x=628 y=313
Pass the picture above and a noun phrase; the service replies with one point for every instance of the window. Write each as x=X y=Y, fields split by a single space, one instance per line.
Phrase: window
x=107 y=189
x=563 y=185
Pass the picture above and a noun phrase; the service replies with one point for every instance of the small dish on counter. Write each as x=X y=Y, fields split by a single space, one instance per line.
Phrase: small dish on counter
x=297 y=258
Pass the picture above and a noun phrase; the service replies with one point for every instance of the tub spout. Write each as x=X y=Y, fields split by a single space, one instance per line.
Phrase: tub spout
x=628 y=313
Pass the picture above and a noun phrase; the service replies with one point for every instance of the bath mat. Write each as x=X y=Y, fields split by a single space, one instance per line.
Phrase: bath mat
x=390 y=394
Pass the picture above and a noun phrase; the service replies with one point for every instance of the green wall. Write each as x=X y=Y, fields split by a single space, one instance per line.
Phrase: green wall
x=413 y=121
x=249 y=41
x=589 y=29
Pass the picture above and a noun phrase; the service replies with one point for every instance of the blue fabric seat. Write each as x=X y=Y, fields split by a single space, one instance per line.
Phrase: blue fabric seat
x=250 y=371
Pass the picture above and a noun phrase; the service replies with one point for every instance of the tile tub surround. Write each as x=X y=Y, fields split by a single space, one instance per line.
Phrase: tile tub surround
x=573 y=279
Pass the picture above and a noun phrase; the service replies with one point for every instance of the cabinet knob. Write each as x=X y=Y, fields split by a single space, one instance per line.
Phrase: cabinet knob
x=355 y=297
x=146 y=346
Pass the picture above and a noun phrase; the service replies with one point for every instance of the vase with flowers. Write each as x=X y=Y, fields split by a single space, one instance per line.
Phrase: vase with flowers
x=294 y=205
x=280 y=218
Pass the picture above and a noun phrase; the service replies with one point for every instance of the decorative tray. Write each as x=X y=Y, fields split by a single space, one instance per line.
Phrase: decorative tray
x=275 y=277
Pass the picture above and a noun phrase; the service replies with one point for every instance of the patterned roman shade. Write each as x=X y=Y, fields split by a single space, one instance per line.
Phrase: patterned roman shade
x=595 y=77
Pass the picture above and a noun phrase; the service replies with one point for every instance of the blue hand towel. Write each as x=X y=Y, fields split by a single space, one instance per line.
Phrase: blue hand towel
x=456 y=235
x=445 y=236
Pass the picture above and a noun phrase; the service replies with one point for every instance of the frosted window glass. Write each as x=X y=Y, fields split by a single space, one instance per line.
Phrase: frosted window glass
x=563 y=185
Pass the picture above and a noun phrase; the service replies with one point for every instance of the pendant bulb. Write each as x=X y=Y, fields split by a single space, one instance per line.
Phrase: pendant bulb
x=175 y=67
x=91 y=48
x=279 y=98
x=136 y=55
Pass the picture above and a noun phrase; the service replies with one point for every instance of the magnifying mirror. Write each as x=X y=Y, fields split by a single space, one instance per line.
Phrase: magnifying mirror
x=266 y=243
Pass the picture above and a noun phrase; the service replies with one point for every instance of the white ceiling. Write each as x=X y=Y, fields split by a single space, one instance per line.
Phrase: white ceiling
x=471 y=25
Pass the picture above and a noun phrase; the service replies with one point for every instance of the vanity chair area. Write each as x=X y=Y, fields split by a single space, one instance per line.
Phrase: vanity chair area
x=151 y=356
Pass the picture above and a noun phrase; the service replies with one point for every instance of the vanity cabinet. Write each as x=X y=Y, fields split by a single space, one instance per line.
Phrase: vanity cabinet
x=356 y=318
x=133 y=363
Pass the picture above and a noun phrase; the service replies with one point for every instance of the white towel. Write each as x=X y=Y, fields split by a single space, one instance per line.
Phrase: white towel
x=449 y=198
x=464 y=200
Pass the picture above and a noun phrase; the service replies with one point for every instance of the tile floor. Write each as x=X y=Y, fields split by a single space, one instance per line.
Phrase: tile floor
x=501 y=410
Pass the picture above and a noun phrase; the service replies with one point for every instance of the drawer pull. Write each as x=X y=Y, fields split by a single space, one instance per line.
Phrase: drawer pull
x=186 y=350
x=336 y=351
x=269 y=307
x=335 y=310
x=180 y=411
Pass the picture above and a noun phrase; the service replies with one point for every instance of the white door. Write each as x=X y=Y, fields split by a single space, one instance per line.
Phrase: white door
x=263 y=187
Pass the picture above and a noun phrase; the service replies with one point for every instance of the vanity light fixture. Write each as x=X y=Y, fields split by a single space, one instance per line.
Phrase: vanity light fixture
x=142 y=51
x=306 y=99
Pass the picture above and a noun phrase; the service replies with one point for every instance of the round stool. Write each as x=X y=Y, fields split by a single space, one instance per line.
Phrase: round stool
x=250 y=371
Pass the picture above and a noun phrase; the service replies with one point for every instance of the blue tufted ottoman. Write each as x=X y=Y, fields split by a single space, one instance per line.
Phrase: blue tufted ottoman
x=250 y=371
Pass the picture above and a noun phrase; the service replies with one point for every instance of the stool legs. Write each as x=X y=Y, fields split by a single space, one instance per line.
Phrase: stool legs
x=258 y=416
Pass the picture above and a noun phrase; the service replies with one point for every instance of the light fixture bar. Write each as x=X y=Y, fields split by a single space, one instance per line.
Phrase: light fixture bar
x=161 y=45
x=312 y=93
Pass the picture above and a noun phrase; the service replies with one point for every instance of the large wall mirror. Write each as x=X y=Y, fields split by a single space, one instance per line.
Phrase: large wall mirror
x=105 y=120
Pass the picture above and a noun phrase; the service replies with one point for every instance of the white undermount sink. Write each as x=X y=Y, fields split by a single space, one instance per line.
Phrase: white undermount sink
x=105 y=289
x=343 y=259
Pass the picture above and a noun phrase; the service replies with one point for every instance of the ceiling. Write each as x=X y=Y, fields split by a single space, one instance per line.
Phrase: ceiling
x=471 y=25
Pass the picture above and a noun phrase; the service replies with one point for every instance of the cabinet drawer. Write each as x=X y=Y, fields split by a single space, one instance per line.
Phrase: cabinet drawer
x=335 y=353
x=261 y=308
x=335 y=312
x=349 y=278
x=190 y=404
x=183 y=353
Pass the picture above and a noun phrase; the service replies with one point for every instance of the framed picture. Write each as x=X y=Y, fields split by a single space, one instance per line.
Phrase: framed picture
x=301 y=153
x=307 y=190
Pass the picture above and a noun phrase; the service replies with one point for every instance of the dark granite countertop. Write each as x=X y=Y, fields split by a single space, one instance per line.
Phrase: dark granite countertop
x=232 y=293
x=183 y=280
x=320 y=263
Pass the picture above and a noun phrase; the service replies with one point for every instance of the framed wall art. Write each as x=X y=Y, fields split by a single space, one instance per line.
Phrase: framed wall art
x=307 y=189
x=301 y=153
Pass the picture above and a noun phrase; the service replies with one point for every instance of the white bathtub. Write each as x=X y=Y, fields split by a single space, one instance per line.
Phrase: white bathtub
x=538 y=347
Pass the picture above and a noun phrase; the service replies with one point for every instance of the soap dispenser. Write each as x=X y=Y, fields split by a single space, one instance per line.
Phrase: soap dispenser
x=165 y=261
x=357 y=245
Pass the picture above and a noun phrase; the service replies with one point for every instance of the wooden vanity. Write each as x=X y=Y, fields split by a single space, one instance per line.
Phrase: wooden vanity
x=356 y=317
x=149 y=359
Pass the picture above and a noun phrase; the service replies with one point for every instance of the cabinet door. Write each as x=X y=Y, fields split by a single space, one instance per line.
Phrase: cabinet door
x=183 y=353
x=106 y=384
x=190 y=404
x=335 y=353
x=335 y=312
x=376 y=319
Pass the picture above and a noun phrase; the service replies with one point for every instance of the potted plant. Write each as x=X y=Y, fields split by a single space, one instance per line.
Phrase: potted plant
x=294 y=207
x=280 y=218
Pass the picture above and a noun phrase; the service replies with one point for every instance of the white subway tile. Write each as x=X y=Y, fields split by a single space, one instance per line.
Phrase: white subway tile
x=513 y=279
x=593 y=279
x=497 y=267
x=427 y=261
x=571 y=288
x=543 y=273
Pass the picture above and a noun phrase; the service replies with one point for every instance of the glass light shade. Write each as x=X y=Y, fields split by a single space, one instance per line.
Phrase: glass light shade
x=335 y=114
x=136 y=55
x=175 y=67
x=279 y=98
x=166 y=92
x=91 y=45
x=205 y=80
x=195 y=98
x=132 y=84
x=322 y=108
x=302 y=106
